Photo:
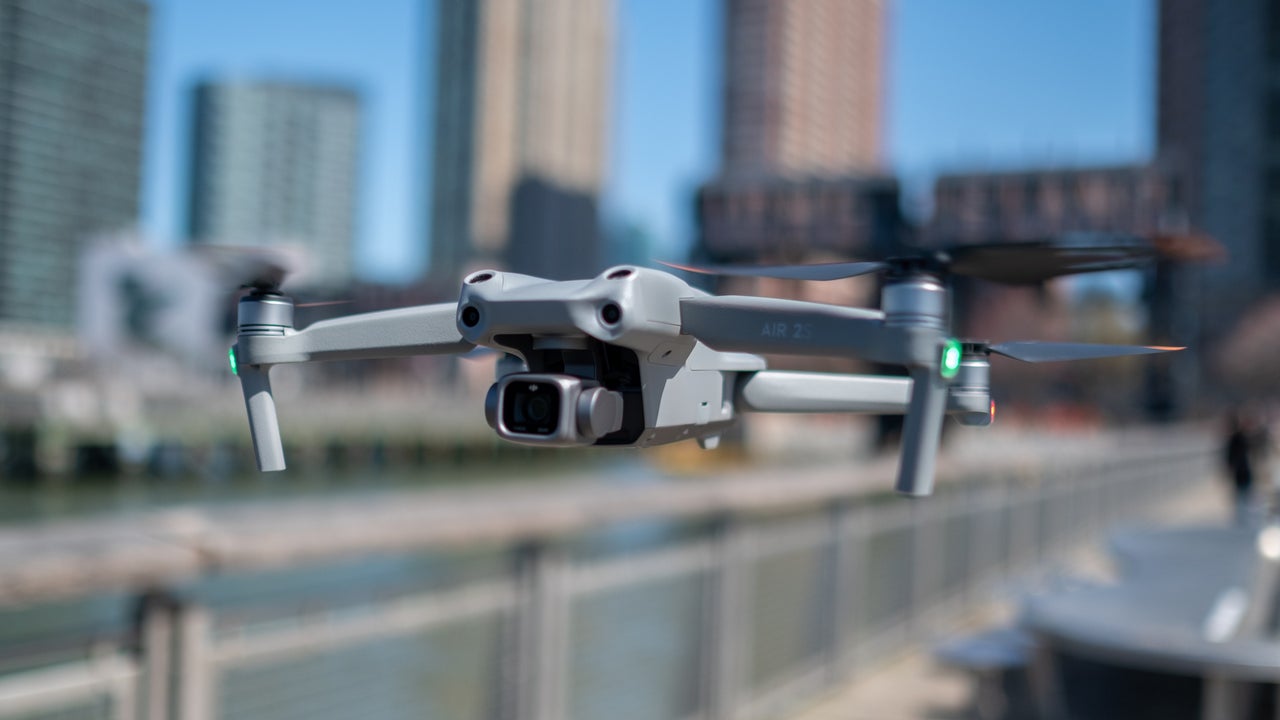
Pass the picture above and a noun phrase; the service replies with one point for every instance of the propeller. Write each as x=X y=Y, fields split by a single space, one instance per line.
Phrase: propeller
x=1033 y=351
x=261 y=270
x=915 y=303
x=256 y=268
x=1035 y=262
x=818 y=271
x=1013 y=263
x=322 y=303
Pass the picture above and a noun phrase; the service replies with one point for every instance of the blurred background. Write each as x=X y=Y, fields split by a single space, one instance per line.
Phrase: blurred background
x=383 y=150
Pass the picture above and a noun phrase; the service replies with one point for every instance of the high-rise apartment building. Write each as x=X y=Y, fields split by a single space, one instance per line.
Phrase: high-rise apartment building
x=800 y=169
x=521 y=108
x=803 y=87
x=1218 y=126
x=277 y=163
x=72 y=94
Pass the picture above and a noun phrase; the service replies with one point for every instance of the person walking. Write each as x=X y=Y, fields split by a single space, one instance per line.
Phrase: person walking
x=1246 y=437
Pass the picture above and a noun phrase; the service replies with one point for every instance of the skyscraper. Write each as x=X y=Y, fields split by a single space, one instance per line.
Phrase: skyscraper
x=521 y=106
x=72 y=92
x=802 y=86
x=1218 y=126
x=800 y=172
x=277 y=163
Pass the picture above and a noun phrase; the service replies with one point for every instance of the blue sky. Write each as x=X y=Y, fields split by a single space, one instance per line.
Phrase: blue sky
x=999 y=83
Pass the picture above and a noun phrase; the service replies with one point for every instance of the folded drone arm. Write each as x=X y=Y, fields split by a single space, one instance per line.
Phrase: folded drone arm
x=264 y=426
x=800 y=328
x=921 y=432
x=923 y=398
x=421 y=330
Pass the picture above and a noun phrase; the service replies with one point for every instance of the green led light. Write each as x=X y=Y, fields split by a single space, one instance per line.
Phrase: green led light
x=951 y=355
x=231 y=357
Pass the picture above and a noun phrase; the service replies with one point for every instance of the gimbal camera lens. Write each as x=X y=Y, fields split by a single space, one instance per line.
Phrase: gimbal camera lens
x=532 y=408
x=538 y=409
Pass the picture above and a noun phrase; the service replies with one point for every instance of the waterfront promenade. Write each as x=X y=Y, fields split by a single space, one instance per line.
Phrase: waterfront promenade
x=747 y=595
x=915 y=686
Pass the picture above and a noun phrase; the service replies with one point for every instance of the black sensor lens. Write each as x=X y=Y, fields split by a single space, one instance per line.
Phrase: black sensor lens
x=611 y=314
x=539 y=409
x=531 y=408
x=470 y=316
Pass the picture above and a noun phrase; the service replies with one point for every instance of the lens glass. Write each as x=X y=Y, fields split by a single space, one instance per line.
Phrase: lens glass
x=531 y=408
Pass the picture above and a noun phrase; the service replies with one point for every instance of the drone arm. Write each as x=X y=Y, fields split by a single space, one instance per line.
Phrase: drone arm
x=924 y=398
x=922 y=432
x=265 y=339
x=811 y=392
x=263 y=424
x=421 y=330
x=784 y=391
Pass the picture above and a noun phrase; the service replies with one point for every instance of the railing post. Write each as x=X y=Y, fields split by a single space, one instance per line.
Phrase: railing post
x=925 y=565
x=840 y=589
x=1059 y=520
x=197 y=673
x=1026 y=538
x=125 y=707
x=1221 y=699
x=1042 y=675
x=1004 y=541
x=727 y=641
x=154 y=629
x=535 y=689
x=975 y=580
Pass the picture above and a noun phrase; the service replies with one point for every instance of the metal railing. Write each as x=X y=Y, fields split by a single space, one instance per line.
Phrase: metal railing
x=742 y=609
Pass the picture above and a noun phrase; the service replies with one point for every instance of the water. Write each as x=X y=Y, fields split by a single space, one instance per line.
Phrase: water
x=634 y=652
x=59 y=498
x=55 y=632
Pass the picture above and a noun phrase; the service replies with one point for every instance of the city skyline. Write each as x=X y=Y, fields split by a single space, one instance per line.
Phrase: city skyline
x=1015 y=89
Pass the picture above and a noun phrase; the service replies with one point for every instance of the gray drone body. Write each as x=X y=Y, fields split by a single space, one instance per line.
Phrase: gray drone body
x=637 y=357
x=620 y=334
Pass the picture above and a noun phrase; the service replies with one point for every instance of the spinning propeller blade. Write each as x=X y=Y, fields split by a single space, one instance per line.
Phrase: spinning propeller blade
x=1031 y=351
x=257 y=268
x=322 y=303
x=1029 y=263
x=1012 y=263
x=821 y=271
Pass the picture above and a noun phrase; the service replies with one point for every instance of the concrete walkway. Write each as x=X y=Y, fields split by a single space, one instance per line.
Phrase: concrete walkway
x=913 y=686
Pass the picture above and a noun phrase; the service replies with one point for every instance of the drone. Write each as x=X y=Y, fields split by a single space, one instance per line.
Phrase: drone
x=637 y=357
